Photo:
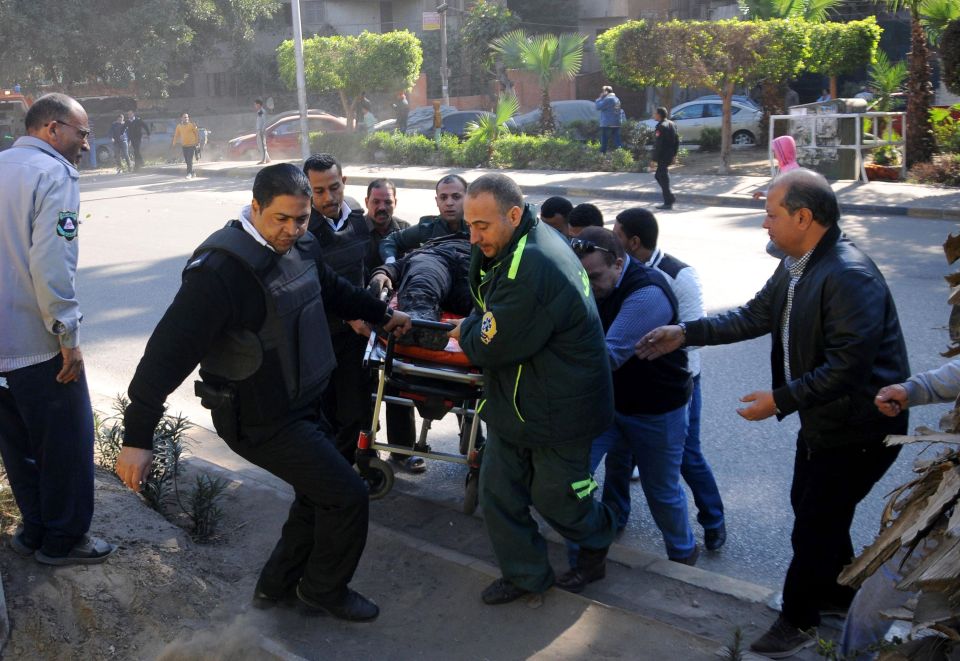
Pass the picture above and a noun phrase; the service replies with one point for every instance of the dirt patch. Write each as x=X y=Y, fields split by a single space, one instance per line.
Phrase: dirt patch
x=158 y=587
x=744 y=162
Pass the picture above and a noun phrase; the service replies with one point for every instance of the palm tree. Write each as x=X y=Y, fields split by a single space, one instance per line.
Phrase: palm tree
x=885 y=79
x=490 y=127
x=920 y=141
x=936 y=15
x=815 y=11
x=548 y=56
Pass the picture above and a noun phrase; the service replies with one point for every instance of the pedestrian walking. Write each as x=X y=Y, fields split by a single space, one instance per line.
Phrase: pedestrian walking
x=188 y=135
x=121 y=145
x=46 y=421
x=136 y=130
x=261 y=131
x=666 y=144
x=402 y=109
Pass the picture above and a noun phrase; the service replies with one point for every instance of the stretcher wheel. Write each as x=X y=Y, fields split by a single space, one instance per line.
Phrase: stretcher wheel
x=378 y=476
x=471 y=495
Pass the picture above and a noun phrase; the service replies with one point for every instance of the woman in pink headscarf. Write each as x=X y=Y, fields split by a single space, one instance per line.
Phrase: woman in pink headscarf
x=785 y=151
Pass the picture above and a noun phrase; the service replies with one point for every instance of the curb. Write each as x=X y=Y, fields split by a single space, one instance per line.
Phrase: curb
x=721 y=200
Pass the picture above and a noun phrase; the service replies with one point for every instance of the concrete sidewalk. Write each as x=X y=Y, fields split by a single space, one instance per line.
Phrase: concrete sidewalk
x=882 y=198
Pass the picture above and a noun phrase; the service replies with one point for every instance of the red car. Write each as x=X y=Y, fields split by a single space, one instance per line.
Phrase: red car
x=283 y=136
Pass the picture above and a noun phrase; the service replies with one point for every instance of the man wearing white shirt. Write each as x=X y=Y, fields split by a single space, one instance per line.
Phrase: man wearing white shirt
x=637 y=230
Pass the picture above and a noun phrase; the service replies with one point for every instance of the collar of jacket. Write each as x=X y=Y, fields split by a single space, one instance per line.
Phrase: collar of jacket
x=37 y=143
x=827 y=241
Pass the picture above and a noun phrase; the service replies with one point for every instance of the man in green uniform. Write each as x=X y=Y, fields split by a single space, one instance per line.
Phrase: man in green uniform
x=537 y=335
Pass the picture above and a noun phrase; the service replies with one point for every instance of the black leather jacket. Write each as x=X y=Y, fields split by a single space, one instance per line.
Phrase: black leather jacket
x=845 y=344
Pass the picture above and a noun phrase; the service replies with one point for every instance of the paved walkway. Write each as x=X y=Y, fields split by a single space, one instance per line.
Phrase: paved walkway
x=855 y=197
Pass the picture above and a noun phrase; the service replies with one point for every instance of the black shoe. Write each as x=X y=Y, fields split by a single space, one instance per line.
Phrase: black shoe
x=410 y=464
x=501 y=591
x=591 y=566
x=263 y=600
x=21 y=545
x=714 y=538
x=89 y=551
x=783 y=640
x=664 y=207
x=353 y=607
x=691 y=559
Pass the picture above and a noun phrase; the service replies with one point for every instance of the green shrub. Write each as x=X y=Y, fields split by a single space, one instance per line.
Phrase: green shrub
x=637 y=136
x=347 y=146
x=400 y=149
x=586 y=130
x=944 y=169
x=946 y=129
x=621 y=160
x=710 y=139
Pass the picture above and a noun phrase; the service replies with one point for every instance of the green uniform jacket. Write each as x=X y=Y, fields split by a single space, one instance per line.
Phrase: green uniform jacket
x=537 y=335
x=397 y=244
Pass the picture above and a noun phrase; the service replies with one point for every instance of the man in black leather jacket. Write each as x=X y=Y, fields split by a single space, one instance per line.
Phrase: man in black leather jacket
x=836 y=340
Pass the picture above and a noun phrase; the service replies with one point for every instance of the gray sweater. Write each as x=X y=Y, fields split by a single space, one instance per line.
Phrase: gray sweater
x=39 y=219
x=939 y=385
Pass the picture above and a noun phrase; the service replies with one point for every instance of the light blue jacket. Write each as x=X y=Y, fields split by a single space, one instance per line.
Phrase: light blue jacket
x=609 y=107
x=39 y=220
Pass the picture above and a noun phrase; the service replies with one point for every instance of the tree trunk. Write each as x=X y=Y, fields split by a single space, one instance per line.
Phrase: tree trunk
x=772 y=95
x=547 y=125
x=833 y=87
x=726 y=96
x=920 y=141
x=348 y=112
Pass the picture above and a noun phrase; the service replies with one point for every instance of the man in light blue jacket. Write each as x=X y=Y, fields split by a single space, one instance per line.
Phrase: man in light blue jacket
x=611 y=116
x=46 y=422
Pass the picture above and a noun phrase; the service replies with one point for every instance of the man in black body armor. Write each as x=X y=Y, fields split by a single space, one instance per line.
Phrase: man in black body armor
x=252 y=311
x=344 y=238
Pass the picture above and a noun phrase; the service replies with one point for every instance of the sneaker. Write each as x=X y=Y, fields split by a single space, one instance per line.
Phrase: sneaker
x=21 y=545
x=714 y=538
x=353 y=607
x=783 y=640
x=591 y=566
x=502 y=591
x=89 y=551
x=410 y=464
x=635 y=475
x=664 y=207
x=690 y=560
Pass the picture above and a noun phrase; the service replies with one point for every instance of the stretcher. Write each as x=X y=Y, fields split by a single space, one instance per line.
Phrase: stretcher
x=435 y=383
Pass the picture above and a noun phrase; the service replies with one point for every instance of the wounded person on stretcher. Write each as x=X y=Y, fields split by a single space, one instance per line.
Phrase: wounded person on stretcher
x=431 y=278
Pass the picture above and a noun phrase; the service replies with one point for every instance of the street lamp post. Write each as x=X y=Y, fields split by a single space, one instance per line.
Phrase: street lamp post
x=444 y=73
x=301 y=80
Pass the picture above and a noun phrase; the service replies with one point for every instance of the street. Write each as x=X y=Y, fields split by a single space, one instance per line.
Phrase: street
x=138 y=231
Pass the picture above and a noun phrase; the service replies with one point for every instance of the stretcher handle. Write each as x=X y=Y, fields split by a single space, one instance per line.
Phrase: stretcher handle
x=433 y=325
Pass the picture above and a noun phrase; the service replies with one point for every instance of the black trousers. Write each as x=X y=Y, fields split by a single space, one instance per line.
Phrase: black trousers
x=137 y=158
x=188 y=154
x=326 y=529
x=346 y=402
x=827 y=487
x=663 y=178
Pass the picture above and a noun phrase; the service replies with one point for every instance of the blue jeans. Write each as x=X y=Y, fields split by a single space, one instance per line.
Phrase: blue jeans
x=655 y=443
x=696 y=471
x=46 y=441
x=607 y=132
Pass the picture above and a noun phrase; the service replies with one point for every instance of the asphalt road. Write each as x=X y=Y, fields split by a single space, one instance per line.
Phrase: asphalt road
x=138 y=231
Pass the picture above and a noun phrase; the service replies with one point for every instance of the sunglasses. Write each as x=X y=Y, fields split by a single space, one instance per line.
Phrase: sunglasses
x=83 y=132
x=583 y=247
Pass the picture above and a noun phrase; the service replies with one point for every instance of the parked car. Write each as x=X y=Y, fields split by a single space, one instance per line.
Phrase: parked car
x=745 y=100
x=694 y=116
x=283 y=136
x=420 y=120
x=456 y=122
x=564 y=113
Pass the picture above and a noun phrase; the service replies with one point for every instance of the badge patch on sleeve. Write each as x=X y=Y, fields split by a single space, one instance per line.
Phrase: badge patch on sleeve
x=67 y=225
x=488 y=327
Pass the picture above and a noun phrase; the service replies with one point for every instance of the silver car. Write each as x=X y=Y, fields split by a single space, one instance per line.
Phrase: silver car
x=694 y=116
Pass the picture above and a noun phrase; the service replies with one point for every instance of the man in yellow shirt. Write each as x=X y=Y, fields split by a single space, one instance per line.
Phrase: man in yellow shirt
x=189 y=137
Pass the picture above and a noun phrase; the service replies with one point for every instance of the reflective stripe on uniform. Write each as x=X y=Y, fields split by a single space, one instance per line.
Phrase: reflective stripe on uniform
x=584 y=488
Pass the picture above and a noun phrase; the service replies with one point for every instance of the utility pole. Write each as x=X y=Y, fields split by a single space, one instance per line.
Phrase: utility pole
x=444 y=72
x=301 y=80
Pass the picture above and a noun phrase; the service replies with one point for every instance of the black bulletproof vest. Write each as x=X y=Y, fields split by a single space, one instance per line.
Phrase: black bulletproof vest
x=286 y=364
x=346 y=251
x=646 y=386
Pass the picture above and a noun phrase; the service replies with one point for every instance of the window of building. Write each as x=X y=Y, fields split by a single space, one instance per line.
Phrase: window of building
x=312 y=13
x=386 y=17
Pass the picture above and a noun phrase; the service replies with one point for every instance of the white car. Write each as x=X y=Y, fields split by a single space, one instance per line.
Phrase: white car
x=693 y=116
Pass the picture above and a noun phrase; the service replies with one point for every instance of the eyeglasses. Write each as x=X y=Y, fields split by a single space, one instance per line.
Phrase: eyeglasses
x=583 y=247
x=83 y=132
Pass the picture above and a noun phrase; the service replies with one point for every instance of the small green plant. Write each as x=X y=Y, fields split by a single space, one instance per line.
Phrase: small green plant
x=946 y=129
x=886 y=155
x=108 y=434
x=710 y=139
x=734 y=652
x=204 y=512
x=168 y=441
x=9 y=511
